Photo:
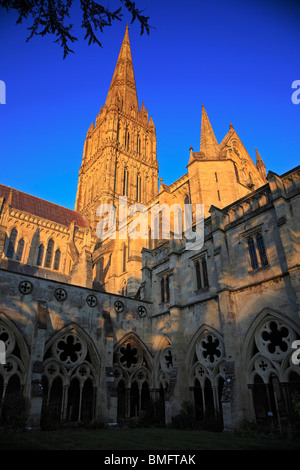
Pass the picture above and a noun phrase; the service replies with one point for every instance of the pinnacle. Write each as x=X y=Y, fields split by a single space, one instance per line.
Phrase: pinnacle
x=259 y=160
x=208 y=142
x=122 y=88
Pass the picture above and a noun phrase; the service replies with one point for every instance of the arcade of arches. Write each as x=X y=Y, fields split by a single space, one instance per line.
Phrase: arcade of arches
x=71 y=373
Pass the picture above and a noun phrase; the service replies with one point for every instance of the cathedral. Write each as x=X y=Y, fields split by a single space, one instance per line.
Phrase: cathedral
x=133 y=323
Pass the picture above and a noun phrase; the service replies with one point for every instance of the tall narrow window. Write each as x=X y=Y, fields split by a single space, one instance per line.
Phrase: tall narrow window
x=40 y=255
x=236 y=172
x=187 y=199
x=49 y=254
x=99 y=270
x=138 y=144
x=252 y=252
x=124 y=257
x=127 y=143
x=20 y=250
x=11 y=243
x=146 y=187
x=56 y=260
x=125 y=182
x=162 y=289
x=261 y=250
x=198 y=275
x=216 y=176
x=167 y=289
x=204 y=272
x=219 y=195
x=125 y=137
x=138 y=187
x=201 y=273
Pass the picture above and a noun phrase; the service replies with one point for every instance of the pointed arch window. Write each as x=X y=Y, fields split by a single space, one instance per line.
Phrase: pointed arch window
x=20 y=249
x=167 y=281
x=128 y=138
x=56 y=260
x=12 y=243
x=124 y=257
x=204 y=272
x=138 y=145
x=146 y=182
x=162 y=289
x=40 y=255
x=236 y=172
x=201 y=273
x=99 y=271
x=49 y=254
x=138 y=187
x=198 y=275
x=252 y=253
x=261 y=249
x=187 y=199
x=125 y=182
x=165 y=288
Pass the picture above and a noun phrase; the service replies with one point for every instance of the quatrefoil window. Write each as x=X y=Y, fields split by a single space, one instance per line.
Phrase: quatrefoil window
x=275 y=337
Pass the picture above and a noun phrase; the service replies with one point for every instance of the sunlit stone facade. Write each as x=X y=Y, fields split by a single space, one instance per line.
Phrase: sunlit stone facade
x=112 y=329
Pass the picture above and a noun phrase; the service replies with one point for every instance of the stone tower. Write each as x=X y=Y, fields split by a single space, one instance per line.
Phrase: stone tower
x=119 y=159
x=119 y=156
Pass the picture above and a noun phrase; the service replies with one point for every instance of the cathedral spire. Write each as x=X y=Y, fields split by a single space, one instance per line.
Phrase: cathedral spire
x=208 y=141
x=122 y=89
x=260 y=164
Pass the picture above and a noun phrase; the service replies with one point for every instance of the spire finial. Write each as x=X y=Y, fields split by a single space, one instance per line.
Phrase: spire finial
x=208 y=142
x=123 y=81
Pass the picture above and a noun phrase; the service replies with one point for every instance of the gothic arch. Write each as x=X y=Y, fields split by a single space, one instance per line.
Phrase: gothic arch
x=271 y=375
x=133 y=366
x=205 y=365
x=20 y=340
x=13 y=373
x=268 y=315
x=76 y=330
x=71 y=376
x=203 y=330
x=133 y=339
x=161 y=371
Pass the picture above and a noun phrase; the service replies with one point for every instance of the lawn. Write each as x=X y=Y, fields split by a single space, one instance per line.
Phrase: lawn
x=141 y=439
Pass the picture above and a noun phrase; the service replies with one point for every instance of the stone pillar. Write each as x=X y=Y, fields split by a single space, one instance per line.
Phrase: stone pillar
x=228 y=396
x=178 y=390
x=38 y=350
x=108 y=382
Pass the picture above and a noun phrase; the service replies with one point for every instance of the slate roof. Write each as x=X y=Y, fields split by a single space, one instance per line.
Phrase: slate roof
x=41 y=208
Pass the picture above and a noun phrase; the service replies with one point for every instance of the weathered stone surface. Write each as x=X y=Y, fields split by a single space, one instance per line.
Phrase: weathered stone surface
x=108 y=324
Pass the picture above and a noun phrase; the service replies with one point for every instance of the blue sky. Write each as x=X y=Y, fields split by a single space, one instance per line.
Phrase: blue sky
x=238 y=58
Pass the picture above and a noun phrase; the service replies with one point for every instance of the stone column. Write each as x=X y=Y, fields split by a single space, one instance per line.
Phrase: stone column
x=108 y=381
x=38 y=350
x=228 y=396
